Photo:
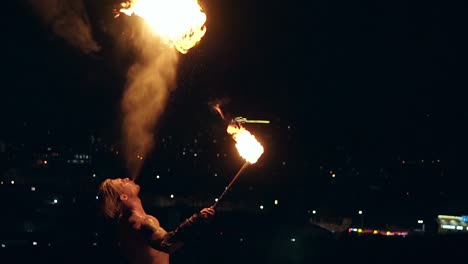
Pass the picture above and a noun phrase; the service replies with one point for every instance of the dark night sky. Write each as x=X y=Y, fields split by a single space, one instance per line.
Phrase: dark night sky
x=380 y=80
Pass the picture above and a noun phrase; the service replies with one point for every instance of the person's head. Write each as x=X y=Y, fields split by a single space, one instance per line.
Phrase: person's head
x=117 y=195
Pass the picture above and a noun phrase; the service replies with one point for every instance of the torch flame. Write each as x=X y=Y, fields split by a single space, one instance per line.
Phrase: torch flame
x=181 y=22
x=247 y=145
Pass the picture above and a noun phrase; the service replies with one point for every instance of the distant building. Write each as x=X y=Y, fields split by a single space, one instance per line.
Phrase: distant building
x=80 y=159
x=2 y=147
x=452 y=224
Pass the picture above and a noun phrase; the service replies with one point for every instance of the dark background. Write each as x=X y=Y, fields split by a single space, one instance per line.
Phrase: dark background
x=371 y=92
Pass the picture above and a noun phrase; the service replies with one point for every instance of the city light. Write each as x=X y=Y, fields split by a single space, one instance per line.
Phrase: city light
x=448 y=227
x=372 y=97
x=378 y=232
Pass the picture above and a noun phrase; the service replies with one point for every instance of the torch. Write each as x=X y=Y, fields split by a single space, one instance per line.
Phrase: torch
x=249 y=149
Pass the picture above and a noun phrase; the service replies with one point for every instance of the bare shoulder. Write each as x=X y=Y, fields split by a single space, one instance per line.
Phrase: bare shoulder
x=151 y=228
x=151 y=220
x=143 y=222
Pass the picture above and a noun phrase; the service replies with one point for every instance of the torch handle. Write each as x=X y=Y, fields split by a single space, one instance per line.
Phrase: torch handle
x=230 y=184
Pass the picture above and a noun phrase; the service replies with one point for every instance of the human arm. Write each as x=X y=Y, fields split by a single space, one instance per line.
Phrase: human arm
x=170 y=242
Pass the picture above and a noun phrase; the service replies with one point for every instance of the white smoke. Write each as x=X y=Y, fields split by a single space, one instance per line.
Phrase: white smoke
x=69 y=20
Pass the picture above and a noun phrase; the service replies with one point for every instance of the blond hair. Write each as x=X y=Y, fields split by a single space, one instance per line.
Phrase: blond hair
x=112 y=207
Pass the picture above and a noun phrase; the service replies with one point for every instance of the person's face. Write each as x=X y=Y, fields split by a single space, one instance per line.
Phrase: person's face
x=128 y=187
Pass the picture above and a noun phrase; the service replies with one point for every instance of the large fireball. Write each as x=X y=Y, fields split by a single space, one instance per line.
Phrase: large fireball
x=179 y=22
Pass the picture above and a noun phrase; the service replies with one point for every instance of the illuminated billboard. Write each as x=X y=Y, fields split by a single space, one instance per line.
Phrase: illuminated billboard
x=452 y=223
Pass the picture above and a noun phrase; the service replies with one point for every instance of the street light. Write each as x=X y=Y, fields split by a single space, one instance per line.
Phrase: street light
x=423 y=227
x=362 y=217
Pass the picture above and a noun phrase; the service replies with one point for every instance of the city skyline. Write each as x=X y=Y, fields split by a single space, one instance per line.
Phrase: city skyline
x=375 y=100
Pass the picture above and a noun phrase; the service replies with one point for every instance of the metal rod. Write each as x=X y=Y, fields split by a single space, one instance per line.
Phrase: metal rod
x=258 y=121
x=229 y=186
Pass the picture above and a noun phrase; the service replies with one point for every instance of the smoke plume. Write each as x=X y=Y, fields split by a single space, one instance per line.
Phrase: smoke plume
x=150 y=78
x=68 y=19
x=149 y=83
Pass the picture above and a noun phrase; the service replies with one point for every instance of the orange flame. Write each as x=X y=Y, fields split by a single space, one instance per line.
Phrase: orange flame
x=247 y=145
x=180 y=22
x=218 y=109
